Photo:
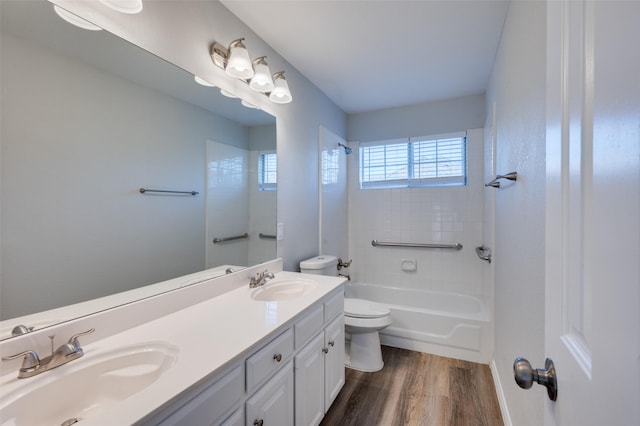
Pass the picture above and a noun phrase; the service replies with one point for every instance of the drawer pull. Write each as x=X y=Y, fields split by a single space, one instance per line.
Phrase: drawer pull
x=258 y=422
x=278 y=358
x=331 y=343
x=325 y=350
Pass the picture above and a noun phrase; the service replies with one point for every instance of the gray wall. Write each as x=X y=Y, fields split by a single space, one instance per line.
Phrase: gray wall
x=433 y=118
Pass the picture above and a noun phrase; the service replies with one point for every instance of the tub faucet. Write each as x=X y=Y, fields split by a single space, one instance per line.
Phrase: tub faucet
x=347 y=276
x=32 y=365
x=260 y=278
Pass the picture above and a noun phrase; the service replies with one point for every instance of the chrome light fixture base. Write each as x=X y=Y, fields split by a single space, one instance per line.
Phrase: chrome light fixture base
x=274 y=86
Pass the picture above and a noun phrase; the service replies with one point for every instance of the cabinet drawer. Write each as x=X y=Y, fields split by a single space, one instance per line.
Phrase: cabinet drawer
x=268 y=359
x=214 y=402
x=334 y=307
x=308 y=326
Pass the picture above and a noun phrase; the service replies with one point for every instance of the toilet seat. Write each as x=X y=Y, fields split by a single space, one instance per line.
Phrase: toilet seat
x=360 y=308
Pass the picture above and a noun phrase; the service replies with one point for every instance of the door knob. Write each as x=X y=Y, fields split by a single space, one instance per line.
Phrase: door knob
x=525 y=376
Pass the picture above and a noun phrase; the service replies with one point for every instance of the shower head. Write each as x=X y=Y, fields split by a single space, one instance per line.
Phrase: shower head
x=347 y=150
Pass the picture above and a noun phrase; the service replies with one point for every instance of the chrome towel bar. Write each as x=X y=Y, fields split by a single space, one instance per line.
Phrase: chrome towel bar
x=266 y=236
x=509 y=176
x=236 y=237
x=144 y=190
x=376 y=243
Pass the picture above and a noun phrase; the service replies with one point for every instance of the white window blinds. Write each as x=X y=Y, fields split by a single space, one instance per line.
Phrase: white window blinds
x=412 y=162
x=267 y=171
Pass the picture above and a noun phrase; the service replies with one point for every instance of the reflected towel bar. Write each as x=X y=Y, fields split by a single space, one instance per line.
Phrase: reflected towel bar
x=266 y=236
x=224 y=240
x=143 y=190
x=376 y=243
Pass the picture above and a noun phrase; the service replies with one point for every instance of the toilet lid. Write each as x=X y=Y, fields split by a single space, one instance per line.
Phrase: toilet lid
x=359 y=308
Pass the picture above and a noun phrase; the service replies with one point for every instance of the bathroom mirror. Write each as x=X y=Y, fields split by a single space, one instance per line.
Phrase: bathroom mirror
x=87 y=120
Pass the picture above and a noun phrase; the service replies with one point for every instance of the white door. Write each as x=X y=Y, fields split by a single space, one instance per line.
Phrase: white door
x=592 y=212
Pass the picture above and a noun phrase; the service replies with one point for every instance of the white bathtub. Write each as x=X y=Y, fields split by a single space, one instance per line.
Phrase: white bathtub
x=447 y=324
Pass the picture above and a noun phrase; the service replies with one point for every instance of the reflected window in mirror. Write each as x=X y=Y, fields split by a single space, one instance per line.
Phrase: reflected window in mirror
x=267 y=171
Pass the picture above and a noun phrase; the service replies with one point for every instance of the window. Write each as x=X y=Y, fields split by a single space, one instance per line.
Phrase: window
x=414 y=162
x=267 y=171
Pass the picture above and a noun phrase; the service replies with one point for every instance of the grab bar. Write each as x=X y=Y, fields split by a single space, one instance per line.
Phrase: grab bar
x=266 y=236
x=143 y=190
x=376 y=243
x=236 y=237
x=484 y=253
x=509 y=176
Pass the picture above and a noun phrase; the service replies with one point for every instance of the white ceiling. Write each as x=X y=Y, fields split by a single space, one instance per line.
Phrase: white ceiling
x=370 y=55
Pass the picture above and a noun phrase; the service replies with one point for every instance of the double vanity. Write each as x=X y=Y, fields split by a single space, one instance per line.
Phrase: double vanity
x=218 y=352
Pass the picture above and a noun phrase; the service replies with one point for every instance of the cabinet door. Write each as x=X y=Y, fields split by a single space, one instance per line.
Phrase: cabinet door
x=334 y=362
x=236 y=419
x=272 y=405
x=309 y=379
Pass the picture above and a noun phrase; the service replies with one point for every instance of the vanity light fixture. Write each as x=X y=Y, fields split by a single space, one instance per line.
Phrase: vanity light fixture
x=262 y=80
x=235 y=61
x=130 y=7
x=202 y=81
x=280 y=94
x=74 y=19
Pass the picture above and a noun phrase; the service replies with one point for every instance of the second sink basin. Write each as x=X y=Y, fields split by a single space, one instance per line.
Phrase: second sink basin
x=283 y=290
x=86 y=387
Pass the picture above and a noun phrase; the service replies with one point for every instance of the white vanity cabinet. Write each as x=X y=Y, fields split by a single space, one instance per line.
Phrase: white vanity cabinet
x=272 y=405
x=262 y=387
x=319 y=365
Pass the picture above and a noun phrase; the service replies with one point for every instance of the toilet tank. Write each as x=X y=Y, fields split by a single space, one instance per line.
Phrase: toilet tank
x=320 y=265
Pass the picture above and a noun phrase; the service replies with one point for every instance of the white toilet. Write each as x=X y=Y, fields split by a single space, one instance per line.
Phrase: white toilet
x=362 y=319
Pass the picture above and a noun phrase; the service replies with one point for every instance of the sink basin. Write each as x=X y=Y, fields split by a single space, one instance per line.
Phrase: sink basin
x=86 y=387
x=283 y=290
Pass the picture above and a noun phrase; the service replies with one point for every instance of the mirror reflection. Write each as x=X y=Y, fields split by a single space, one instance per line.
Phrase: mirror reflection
x=87 y=120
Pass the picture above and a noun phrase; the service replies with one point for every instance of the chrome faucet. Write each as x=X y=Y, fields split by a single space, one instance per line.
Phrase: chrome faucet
x=260 y=278
x=32 y=365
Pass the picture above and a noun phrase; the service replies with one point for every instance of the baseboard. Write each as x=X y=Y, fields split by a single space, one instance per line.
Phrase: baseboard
x=501 y=399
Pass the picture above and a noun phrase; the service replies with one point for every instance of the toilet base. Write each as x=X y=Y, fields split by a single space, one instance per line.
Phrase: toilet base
x=363 y=352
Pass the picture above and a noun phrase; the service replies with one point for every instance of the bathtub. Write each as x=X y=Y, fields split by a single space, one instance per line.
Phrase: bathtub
x=446 y=324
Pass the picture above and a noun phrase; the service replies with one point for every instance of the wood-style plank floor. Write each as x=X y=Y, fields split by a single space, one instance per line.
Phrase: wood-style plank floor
x=417 y=389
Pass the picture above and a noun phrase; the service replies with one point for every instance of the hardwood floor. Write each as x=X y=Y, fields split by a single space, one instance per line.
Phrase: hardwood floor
x=417 y=389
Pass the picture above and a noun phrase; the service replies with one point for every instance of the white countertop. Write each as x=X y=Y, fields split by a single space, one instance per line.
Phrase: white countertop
x=209 y=336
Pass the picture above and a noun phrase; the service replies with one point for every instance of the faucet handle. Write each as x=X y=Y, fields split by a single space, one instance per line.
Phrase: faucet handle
x=31 y=360
x=73 y=340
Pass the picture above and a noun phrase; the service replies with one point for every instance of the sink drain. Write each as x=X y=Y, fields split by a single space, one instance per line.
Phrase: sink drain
x=70 y=422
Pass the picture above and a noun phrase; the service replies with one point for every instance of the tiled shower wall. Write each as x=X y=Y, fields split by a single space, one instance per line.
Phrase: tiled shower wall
x=445 y=215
